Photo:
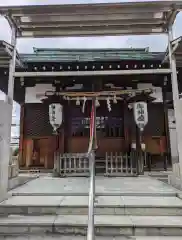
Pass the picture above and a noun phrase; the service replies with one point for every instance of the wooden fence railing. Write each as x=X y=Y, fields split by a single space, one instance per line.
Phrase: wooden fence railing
x=114 y=164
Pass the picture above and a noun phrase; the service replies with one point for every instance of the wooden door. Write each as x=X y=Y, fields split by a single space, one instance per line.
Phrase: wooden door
x=109 y=128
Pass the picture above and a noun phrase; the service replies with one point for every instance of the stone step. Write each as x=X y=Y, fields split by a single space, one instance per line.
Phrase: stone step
x=111 y=193
x=104 y=225
x=54 y=237
x=104 y=205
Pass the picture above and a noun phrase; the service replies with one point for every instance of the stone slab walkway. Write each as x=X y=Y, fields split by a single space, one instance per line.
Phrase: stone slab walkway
x=104 y=186
x=82 y=201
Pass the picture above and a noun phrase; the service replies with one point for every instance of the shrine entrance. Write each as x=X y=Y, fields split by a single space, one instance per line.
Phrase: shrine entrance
x=112 y=157
x=110 y=134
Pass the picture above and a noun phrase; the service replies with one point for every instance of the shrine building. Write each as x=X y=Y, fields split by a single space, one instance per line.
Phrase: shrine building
x=116 y=127
x=124 y=103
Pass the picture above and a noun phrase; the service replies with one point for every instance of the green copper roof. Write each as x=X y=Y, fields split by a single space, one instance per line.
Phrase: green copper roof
x=85 y=55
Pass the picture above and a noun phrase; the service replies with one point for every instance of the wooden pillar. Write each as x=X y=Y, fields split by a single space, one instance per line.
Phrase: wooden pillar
x=97 y=85
x=138 y=149
x=166 y=129
x=29 y=152
x=21 y=140
x=127 y=137
x=66 y=127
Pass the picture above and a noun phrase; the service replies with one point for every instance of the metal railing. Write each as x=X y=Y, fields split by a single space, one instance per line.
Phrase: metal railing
x=69 y=164
x=91 y=156
x=91 y=228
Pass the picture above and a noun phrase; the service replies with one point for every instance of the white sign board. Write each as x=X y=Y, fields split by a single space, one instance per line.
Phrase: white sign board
x=141 y=114
x=55 y=115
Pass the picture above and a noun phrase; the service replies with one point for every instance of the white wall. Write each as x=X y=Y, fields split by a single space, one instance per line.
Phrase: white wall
x=37 y=93
x=157 y=94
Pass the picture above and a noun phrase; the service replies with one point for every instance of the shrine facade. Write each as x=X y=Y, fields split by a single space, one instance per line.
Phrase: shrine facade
x=116 y=127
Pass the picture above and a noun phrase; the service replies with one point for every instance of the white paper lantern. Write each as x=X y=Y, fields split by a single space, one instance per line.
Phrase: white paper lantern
x=55 y=115
x=141 y=114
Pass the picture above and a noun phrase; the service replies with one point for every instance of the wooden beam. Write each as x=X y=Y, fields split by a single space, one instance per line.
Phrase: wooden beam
x=21 y=142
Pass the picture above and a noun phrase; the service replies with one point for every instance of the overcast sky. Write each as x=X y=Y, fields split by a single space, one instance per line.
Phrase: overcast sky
x=156 y=43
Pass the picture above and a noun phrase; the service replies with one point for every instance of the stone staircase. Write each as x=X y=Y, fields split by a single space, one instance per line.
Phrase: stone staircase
x=65 y=217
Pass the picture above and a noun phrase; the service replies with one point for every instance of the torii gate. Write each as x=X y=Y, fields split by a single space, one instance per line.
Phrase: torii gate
x=134 y=18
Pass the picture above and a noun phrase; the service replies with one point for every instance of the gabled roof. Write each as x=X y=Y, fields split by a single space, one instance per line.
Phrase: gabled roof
x=86 y=55
x=125 y=18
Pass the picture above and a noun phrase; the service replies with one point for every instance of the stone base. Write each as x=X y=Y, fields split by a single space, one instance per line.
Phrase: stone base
x=174 y=178
x=18 y=181
x=13 y=171
x=13 y=182
x=175 y=181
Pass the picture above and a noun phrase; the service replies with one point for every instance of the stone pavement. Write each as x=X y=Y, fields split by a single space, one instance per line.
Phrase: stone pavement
x=125 y=206
x=104 y=186
x=84 y=238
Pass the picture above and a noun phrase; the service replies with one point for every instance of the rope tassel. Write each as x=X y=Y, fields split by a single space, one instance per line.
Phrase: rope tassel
x=78 y=101
x=84 y=102
x=97 y=104
x=114 y=99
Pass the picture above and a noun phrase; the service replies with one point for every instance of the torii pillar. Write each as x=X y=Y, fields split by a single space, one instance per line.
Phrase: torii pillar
x=177 y=166
x=6 y=109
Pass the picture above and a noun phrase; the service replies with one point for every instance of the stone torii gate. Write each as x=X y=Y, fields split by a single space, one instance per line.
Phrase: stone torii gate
x=138 y=18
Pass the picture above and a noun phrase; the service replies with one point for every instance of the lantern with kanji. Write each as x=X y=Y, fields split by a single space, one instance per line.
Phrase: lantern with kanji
x=55 y=115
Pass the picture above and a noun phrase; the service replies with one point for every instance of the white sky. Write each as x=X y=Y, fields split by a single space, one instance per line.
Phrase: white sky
x=156 y=43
